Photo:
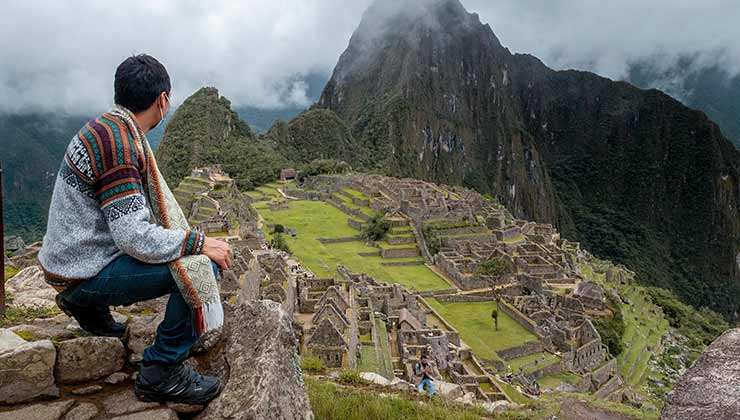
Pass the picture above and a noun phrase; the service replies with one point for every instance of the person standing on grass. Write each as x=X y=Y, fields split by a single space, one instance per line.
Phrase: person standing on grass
x=423 y=373
x=116 y=236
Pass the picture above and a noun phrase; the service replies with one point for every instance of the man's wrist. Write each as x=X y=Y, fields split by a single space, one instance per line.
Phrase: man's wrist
x=193 y=243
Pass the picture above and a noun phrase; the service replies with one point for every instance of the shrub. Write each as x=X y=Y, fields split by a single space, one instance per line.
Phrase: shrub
x=326 y=166
x=278 y=228
x=701 y=326
x=351 y=377
x=279 y=242
x=312 y=365
x=376 y=228
x=612 y=329
x=494 y=267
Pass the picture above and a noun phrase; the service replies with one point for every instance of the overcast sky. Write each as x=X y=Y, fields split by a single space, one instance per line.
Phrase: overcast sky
x=62 y=54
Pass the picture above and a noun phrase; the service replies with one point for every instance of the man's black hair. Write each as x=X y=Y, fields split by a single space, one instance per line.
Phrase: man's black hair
x=140 y=79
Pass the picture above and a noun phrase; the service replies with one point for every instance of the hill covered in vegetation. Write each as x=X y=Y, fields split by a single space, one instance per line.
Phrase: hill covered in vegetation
x=634 y=175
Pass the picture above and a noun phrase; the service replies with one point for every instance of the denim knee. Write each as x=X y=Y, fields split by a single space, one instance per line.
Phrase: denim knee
x=215 y=269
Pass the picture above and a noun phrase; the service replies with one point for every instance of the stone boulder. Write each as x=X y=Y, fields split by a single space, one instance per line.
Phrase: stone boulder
x=89 y=358
x=448 y=390
x=26 y=368
x=141 y=332
x=29 y=289
x=710 y=388
x=50 y=411
x=374 y=378
x=265 y=380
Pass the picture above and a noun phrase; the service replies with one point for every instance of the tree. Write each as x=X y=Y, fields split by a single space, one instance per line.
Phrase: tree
x=278 y=228
x=376 y=229
x=279 y=242
x=494 y=267
x=494 y=315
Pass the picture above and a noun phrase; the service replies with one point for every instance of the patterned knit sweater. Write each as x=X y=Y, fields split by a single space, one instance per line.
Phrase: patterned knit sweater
x=99 y=211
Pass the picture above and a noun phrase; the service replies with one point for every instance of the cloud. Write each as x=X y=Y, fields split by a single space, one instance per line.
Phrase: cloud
x=62 y=55
x=607 y=37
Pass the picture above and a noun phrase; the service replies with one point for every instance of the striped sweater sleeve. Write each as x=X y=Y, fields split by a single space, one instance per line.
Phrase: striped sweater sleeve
x=119 y=192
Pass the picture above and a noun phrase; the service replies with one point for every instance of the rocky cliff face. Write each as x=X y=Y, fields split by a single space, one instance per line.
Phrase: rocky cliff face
x=255 y=355
x=709 y=391
x=431 y=93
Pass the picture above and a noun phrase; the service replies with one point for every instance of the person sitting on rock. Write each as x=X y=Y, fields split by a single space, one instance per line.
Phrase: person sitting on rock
x=423 y=374
x=101 y=248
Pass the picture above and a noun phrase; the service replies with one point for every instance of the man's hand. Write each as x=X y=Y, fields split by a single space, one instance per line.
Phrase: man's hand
x=218 y=251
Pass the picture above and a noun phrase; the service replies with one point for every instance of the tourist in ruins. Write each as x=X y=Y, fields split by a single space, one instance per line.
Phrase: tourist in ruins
x=116 y=236
x=423 y=373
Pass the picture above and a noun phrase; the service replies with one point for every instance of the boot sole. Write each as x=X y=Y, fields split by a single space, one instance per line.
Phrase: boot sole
x=151 y=396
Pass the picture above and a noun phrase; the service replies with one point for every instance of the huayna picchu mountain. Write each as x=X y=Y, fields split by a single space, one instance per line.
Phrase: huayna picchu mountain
x=429 y=92
x=205 y=130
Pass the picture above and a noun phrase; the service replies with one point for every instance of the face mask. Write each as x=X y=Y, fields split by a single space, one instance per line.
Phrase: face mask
x=162 y=115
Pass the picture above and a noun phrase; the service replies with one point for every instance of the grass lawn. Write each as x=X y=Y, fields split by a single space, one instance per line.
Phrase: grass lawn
x=473 y=321
x=527 y=362
x=553 y=381
x=348 y=203
x=317 y=219
x=639 y=321
x=330 y=401
x=369 y=361
x=356 y=194
x=386 y=358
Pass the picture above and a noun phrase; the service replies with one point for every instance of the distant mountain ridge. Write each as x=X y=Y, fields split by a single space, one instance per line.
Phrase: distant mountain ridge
x=710 y=89
x=633 y=174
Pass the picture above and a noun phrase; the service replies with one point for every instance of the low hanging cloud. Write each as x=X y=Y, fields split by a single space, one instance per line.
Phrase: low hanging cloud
x=62 y=55
x=607 y=37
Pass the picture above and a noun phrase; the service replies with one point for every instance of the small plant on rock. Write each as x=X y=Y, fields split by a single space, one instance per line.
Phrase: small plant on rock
x=351 y=377
x=312 y=365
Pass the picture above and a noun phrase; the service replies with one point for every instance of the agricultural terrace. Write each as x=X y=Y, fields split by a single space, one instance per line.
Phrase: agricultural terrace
x=317 y=219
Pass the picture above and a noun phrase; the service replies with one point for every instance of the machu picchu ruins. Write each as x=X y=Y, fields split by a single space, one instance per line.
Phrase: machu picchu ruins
x=376 y=305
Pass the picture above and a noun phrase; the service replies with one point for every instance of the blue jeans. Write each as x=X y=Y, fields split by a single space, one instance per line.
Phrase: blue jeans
x=126 y=281
x=429 y=384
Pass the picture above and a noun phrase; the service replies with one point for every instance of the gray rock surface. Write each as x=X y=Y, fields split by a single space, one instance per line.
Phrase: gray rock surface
x=159 y=414
x=50 y=411
x=447 y=390
x=87 y=390
x=710 y=389
x=141 y=332
x=265 y=381
x=50 y=331
x=26 y=368
x=374 y=378
x=83 y=411
x=125 y=402
x=117 y=378
x=29 y=289
x=89 y=358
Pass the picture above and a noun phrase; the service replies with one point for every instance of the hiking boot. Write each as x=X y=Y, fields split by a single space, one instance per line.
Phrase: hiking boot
x=178 y=384
x=95 y=320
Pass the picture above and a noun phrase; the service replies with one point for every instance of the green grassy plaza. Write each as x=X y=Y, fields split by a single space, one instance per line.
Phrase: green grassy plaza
x=473 y=321
x=317 y=219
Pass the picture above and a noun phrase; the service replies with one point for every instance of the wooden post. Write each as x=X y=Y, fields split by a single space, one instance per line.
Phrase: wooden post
x=2 y=247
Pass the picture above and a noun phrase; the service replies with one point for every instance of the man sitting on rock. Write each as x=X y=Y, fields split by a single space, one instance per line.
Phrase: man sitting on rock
x=101 y=248
x=423 y=373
